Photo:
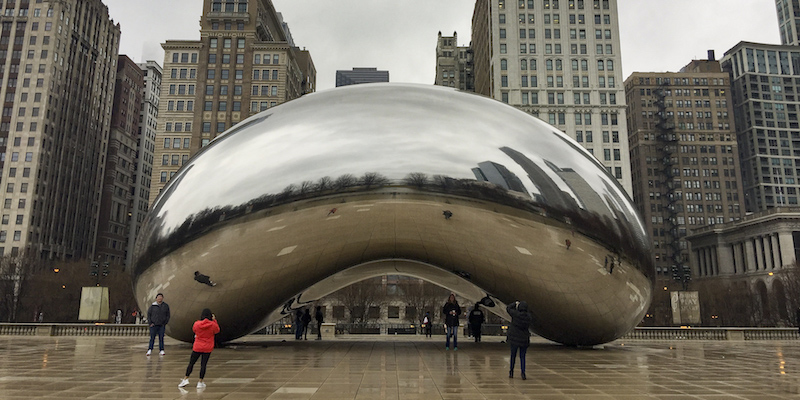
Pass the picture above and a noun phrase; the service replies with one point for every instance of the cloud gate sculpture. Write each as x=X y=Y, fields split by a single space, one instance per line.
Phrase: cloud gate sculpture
x=338 y=186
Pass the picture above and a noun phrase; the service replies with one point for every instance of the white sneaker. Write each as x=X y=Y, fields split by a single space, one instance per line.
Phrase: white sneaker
x=183 y=383
x=148 y=352
x=201 y=385
x=161 y=353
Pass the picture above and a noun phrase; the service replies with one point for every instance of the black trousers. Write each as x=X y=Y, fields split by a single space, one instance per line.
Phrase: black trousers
x=203 y=362
x=476 y=331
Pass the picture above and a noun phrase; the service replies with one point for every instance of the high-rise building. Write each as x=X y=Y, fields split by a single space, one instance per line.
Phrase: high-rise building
x=145 y=145
x=684 y=157
x=454 y=64
x=788 y=21
x=59 y=60
x=560 y=61
x=113 y=228
x=361 y=75
x=242 y=64
x=765 y=80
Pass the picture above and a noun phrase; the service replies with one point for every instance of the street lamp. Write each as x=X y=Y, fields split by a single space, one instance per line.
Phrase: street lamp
x=94 y=270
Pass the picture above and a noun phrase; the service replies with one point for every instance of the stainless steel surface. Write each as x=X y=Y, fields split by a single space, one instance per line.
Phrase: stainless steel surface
x=253 y=210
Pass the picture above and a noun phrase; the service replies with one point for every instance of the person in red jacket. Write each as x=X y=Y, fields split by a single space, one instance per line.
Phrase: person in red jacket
x=204 y=331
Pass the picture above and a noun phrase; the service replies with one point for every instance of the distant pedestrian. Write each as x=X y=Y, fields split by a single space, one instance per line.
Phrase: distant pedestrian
x=298 y=325
x=203 y=279
x=204 y=331
x=798 y=319
x=568 y=242
x=447 y=214
x=427 y=324
x=451 y=311
x=306 y=319
x=158 y=317
x=476 y=319
x=519 y=334
x=320 y=318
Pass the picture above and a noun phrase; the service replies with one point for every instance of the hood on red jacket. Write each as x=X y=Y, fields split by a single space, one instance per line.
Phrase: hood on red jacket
x=206 y=326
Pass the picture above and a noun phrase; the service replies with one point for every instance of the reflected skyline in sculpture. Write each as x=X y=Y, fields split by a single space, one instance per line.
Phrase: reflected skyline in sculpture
x=390 y=158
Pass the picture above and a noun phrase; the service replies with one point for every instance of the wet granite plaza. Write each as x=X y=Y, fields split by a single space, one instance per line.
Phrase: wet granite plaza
x=388 y=367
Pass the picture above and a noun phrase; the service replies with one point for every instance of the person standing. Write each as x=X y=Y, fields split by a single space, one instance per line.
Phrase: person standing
x=306 y=323
x=798 y=318
x=320 y=318
x=204 y=331
x=476 y=319
x=427 y=324
x=451 y=311
x=298 y=325
x=158 y=317
x=519 y=334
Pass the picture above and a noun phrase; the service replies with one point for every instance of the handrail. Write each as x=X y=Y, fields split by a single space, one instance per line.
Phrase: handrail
x=638 y=333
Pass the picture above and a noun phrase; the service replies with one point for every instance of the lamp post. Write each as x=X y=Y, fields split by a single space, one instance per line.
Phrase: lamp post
x=95 y=271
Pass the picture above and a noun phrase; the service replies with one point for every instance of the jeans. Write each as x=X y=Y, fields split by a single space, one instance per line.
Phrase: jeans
x=522 y=351
x=203 y=362
x=157 y=330
x=298 y=330
x=452 y=331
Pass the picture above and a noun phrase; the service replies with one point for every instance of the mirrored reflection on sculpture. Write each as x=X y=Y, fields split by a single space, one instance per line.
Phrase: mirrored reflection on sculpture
x=341 y=185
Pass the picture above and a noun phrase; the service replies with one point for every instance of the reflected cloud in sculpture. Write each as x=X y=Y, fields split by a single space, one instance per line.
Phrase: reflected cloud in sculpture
x=252 y=210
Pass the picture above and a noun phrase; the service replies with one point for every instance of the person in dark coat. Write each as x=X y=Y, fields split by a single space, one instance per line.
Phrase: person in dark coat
x=306 y=321
x=798 y=319
x=476 y=318
x=519 y=334
x=320 y=318
x=158 y=317
x=427 y=324
x=203 y=279
x=451 y=311
x=298 y=325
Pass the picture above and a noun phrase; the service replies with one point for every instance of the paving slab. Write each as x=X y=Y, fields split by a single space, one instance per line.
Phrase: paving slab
x=398 y=367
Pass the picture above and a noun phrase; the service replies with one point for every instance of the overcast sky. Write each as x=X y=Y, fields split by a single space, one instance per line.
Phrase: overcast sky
x=400 y=36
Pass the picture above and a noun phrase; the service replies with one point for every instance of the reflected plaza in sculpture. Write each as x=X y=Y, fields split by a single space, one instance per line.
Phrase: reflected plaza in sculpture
x=338 y=186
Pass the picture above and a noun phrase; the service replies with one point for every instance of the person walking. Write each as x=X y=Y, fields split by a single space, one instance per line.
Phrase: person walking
x=158 y=317
x=320 y=318
x=476 y=319
x=204 y=331
x=519 y=334
x=427 y=324
x=451 y=311
x=298 y=325
x=306 y=321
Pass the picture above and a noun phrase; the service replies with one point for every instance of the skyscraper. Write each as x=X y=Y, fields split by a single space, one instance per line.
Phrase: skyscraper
x=145 y=145
x=243 y=63
x=789 y=21
x=60 y=62
x=766 y=81
x=454 y=64
x=684 y=157
x=113 y=231
x=560 y=61
x=361 y=75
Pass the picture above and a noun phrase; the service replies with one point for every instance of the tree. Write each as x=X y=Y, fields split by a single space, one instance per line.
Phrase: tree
x=359 y=297
x=15 y=271
x=422 y=296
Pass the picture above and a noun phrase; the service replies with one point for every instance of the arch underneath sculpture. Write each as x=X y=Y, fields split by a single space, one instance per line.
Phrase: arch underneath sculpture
x=460 y=285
